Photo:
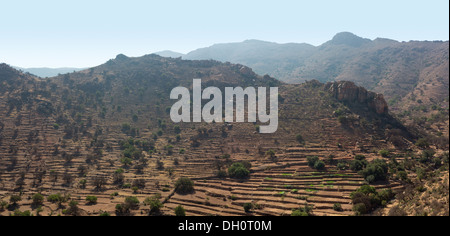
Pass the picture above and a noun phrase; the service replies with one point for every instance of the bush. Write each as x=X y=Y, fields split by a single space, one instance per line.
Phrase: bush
x=300 y=139
x=248 y=207
x=367 y=199
x=104 y=213
x=132 y=202
x=376 y=171
x=357 y=165
x=91 y=200
x=315 y=162
x=337 y=207
x=423 y=143
x=238 y=170
x=384 y=153
x=360 y=209
x=402 y=175
x=14 y=199
x=135 y=118
x=180 y=211
x=342 y=166
x=319 y=165
x=54 y=198
x=155 y=204
x=221 y=174
x=38 y=199
x=312 y=160
x=184 y=186
x=22 y=213
x=306 y=211
x=427 y=156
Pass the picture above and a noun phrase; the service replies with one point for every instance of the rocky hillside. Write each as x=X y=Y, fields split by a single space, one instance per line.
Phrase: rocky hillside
x=106 y=132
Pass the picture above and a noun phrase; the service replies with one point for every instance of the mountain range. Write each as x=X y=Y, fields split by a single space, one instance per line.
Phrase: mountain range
x=400 y=70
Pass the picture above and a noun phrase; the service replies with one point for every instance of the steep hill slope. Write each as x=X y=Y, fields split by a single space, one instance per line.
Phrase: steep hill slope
x=106 y=132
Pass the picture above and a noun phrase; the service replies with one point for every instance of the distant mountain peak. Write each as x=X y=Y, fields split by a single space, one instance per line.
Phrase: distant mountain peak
x=121 y=57
x=349 y=39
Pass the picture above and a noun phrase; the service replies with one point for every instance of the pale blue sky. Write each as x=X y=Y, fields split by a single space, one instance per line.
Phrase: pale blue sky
x=56 y=33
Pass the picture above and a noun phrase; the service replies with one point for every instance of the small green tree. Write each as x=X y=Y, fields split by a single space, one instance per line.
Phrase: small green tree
x=180 y=211
x=248 y=207
x=238 y=170
x=384 y=153
x=38 y=200
x=14 y=199
x=91 y=200
x=154 y=203
x=184 y=186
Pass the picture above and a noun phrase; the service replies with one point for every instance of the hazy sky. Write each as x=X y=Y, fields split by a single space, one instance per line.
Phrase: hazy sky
x=56 y=33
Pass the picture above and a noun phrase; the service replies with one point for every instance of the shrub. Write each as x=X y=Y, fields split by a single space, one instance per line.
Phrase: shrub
x=357 y=165
x=306 y=211
x=91 y=200
x=22 y=213
x=126 y=128
x=104 y=213
x=54 y=198
x=184 y=186
x=367 y=199
x=337 y=207
x=299 y=139
x=3 y=205
x=315 y=162
x=342 y=166
x=73 y=209
x=221 y=174
x=375 y=171
x=38 y=199
x=135 y=118
x=132 y=202
x=180 y=211
x=155 y=204
x=248 y=207
x=319 y=165
x=360 y=209
x=422 y=143
x=402 y=175
x=126 y=161
x=384 y=153
x=427 y=156
x=238 y=170
x=14 y=199
x=312 y=160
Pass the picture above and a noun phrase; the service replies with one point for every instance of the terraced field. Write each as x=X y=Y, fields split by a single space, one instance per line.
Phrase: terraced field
x=83 y=155
x=276 y=189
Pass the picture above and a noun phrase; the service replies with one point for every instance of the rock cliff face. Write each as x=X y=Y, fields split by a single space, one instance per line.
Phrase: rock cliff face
x=349 y=92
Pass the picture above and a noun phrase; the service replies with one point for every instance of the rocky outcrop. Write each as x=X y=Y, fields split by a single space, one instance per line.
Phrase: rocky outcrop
x=349 y=92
